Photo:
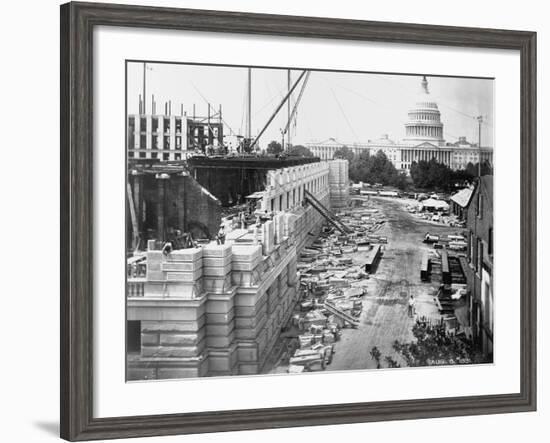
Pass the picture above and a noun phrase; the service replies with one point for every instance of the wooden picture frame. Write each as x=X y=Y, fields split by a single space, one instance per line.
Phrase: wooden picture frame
x=77 y=23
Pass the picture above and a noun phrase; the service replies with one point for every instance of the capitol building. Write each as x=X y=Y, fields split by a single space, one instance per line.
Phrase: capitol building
x=423 y=140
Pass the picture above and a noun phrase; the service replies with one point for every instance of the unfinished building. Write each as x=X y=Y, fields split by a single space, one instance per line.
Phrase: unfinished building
x=218 y=309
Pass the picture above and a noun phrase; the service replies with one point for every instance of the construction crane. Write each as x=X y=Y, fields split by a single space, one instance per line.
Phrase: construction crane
x=283 y=101
x=293 y=113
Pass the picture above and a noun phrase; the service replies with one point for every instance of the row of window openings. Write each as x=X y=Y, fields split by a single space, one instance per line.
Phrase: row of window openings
x=312 y=186
x=424 y=155
x=197 y=130
x=155 y=144
x=154 y=124
x=153 y=155
x=475 y=256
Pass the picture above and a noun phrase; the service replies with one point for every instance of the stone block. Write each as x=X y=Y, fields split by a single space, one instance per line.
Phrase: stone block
x=219 y=306
x=289 y=224
x=164 y=310
x=154 y=257
x=278 y=222
x=220 y=271
x=235 y=234
x=216 y=261
x=154 y=265
x=249 y=299
x=153 y=275
x=172 y=351
x=246 y=265
x=137 y=373
x=190 y=339
x=217 y=251
x=248 y=353
x=185 y=290
x=186 y=255
x=154 y=289
x=222 y=317
x=249 y=238
x=249 y=333
x=246 y=253
x=172 y=326
x=149 y=339
x=219 y=341
x=220 y=328
x=246 y=279
x=268 y=240
x=190 y=276
x=171 y=266
x=217 y=285
x=249 y=368
x=222 y=361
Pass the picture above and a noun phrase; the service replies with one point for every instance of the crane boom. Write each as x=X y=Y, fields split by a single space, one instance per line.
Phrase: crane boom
x=293 y=113
x=278 y=109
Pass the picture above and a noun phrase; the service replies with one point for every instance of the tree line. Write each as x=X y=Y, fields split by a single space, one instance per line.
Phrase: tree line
x=378 y=168
x=275 y=148
x=369 y=168
x=431 y=174
x=425 y=174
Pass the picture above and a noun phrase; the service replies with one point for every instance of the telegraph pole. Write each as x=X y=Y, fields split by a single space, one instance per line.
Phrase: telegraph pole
x=479 y=123
x=249 y=106
x=144 y=82
x=145 y=69
x=288 y=81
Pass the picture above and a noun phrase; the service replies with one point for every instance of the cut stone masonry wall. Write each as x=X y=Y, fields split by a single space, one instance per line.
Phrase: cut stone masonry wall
x=218 y=310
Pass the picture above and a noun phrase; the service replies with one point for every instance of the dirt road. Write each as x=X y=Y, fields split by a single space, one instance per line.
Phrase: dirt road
x=385 y=318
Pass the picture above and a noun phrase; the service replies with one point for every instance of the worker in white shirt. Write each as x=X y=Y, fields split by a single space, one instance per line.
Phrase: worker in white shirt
x=257 y=229
x=412 y=305
x=221 y=235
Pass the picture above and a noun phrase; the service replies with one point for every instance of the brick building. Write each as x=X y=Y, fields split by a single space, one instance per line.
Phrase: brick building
x=479 y=272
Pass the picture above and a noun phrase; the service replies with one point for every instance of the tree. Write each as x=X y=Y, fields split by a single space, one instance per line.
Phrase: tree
x=401 y=181
x=344 y=153
x=299 y=151
x=376 y=169
x=432 y=346
x=274 y=147
x=431 y=174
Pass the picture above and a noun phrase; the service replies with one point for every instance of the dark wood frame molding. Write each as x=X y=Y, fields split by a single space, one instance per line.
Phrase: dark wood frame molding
x=77 y=23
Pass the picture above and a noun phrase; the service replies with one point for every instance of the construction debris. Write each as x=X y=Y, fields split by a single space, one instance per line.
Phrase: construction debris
x=333 y=272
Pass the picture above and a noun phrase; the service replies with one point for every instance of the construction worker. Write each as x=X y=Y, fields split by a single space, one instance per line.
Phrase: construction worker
x=412 y=305
x=242 y=218
x=167 y=248
x=257 y=229
x=221 y=236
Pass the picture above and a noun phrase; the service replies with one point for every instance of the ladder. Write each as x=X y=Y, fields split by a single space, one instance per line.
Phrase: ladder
x=328 y=215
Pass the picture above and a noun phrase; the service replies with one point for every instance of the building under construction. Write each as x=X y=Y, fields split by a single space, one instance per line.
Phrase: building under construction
x=205 y=301
x=167 y=137
x=207 y=309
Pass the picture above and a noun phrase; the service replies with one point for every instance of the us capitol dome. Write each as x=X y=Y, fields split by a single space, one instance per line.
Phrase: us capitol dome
x=424 y=123
x=423 y=140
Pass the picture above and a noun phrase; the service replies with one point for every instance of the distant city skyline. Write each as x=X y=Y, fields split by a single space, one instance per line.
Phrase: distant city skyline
x=349 y=107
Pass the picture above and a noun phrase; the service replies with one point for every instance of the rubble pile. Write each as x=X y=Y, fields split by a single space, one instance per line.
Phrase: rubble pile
x=332 y=283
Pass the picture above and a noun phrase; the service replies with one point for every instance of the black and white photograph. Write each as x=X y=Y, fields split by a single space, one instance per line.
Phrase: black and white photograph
x=286 y=221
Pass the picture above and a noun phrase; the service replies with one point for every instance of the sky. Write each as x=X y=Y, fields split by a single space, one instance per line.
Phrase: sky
x=349 y=107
